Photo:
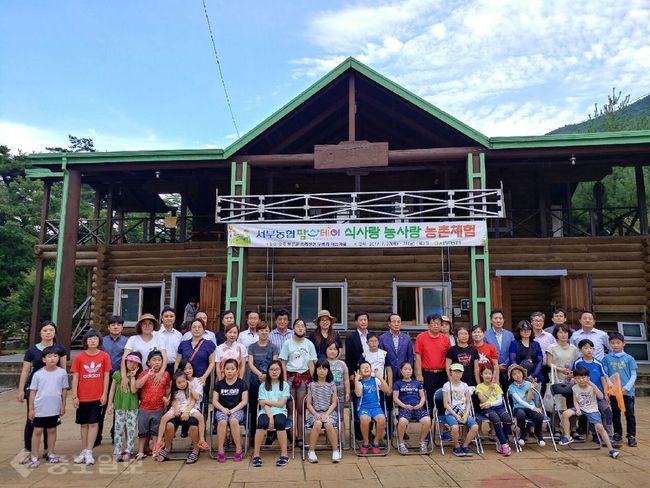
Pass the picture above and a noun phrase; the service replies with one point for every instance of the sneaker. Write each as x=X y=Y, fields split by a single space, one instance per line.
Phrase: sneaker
x=376 y=449
x=140 y=456
x=237 y=457
x=541 y=442
x=81 y=458
x=565 y=441
x=613 y=453
x=617 y=438
x=221 y=457
x=557 y=436
x=521 y=441
x=364 y=449
x=311 y=456
x=424 y=448
x=468 y=452
x=125 y=457
x=90 y=460
x=33 y=462
x=631 y=441
x=499 y=448
x=336 y=456
x=256 y=462
x=445 y=436
x=282 y=461
x=458 y=451
x=578 y=437
x=402 y=449
x=505 y=450
x=52 y=459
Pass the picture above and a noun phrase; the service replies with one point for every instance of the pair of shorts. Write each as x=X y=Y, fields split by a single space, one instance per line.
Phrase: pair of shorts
x=149 y=422
x=592 y=417
x=279 y=421
x=88 y=413
x=417 y=414
x=189 y=422
x=219 y=416
x=299 y=381
x=47 y=422
x=332 y=418
x=451 y=421
x=371 y=412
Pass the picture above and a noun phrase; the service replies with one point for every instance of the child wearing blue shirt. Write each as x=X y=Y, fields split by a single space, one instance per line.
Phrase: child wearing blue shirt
x=618 y=361
x=598 y=377
x=409 y=397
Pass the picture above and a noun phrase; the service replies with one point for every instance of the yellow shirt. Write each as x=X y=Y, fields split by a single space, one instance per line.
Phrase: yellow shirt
x=491 y=393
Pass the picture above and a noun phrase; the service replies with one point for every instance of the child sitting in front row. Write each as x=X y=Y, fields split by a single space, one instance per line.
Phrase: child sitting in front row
x=585 y=399
x=272 y=412
x=230 y=398
x=366 y=387
x=490 y=395
x=522 y=393
x=409 y=397
x=457 y=400
x=322 y=412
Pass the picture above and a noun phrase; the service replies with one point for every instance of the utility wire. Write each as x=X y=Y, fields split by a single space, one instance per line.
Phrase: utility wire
x=223 y=81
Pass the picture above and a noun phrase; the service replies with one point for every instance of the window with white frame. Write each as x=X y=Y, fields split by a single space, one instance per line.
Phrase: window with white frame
x=131 y=300
x=414 y=300
x=308 y=298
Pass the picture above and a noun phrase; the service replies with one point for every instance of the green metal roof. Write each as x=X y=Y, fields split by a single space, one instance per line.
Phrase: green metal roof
x=571 y=140
x=44 y=159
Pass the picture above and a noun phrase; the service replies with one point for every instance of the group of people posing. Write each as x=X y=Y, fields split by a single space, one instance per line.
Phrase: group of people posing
x=159 y=379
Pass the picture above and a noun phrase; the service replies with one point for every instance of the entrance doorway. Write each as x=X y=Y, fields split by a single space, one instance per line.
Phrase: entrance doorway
x=184 y=287
x=520 y=292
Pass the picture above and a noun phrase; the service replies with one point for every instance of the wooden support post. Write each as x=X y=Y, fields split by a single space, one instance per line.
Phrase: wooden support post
x=352 y=109
x=109 y=217
x=183 y=223
x=63 y=300
x=172 y=231
x=40 y=265
x=237 y=256
x=569 y=211
x=152 y=227
x=641 y=199
x=121 y=239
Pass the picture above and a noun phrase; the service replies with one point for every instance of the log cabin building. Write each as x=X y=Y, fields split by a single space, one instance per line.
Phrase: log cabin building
x=358 y=134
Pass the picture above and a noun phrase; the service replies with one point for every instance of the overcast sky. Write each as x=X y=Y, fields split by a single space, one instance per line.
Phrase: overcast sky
x=142 y=74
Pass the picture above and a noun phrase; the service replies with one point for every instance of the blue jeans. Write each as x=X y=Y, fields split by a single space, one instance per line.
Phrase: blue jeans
x=501 y=419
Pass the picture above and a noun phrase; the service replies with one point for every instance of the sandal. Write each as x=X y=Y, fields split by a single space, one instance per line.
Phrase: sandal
x=238 y=456
x=256 y=462
x=202 y=445
x=157 y=447
x=140 y=456
x=192 y=458
x=162 y=456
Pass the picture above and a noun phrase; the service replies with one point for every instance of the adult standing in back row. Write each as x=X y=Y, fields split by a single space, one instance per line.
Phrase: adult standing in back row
x=501 y=339
x=589 y=331
x=431 y=349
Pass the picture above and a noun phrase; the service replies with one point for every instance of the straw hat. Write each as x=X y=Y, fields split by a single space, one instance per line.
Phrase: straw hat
x=324 y=313
x=444 y=318
x=512 y=367
x=148 y=316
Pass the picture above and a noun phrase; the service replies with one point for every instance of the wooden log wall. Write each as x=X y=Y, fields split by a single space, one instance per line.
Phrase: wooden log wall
x=617 y=265
x=147 y=263
x=369 y=273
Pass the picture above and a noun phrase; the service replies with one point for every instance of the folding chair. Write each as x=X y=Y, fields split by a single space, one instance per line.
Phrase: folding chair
x=437 y=422
x=546 y=423
x=557 y=414
x=306 y=430
x=291 y=442
x=413 y=434
x=229 y=449
x=354 y=442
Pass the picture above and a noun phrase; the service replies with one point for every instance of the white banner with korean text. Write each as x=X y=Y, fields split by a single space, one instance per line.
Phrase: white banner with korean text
x=406 y=234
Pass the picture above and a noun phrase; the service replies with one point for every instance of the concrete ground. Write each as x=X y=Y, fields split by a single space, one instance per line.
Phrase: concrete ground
x=534 y=467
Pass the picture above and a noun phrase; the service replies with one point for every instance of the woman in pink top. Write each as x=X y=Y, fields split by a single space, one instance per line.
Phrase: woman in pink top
x=231 y=349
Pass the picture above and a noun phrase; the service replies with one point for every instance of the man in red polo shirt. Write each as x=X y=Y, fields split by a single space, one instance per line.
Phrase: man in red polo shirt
x=430 y=352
